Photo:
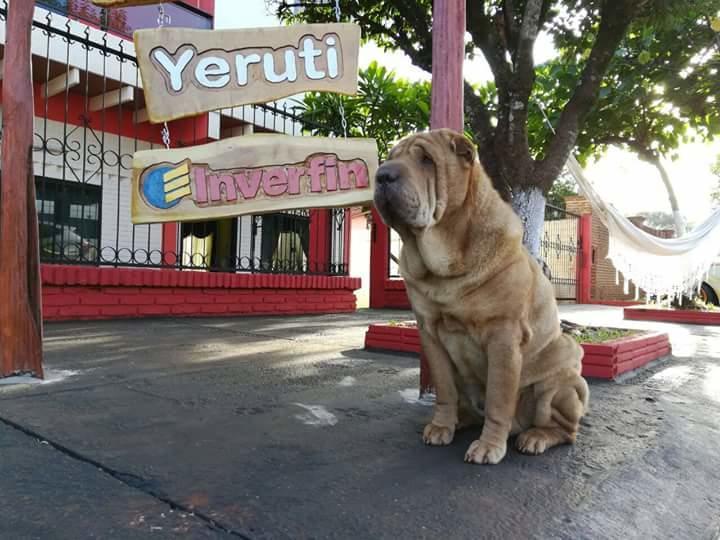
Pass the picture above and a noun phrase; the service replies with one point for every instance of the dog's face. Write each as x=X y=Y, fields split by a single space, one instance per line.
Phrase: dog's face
x=425 y=177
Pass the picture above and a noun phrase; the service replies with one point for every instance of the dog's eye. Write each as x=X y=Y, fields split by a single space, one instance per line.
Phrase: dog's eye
x=427 y=160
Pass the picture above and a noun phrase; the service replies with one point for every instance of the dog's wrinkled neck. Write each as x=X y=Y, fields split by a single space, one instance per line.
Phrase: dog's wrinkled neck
x=445 y=250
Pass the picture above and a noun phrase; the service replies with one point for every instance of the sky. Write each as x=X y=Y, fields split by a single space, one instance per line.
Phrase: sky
x=621 y=179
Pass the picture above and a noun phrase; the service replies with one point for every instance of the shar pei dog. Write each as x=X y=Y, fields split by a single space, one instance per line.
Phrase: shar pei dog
x=487 y=316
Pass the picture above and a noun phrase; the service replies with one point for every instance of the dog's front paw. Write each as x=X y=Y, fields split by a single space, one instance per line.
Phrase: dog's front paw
x=438 y=435
x=485 y=453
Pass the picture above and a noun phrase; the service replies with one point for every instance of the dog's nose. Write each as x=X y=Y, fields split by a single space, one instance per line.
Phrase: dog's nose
x=387 y=174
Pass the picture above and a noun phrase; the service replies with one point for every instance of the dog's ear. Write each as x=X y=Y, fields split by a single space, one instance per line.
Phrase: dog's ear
x=463 y=147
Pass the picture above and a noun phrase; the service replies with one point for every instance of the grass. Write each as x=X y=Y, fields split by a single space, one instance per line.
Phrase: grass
x=591 y=334
x=581 y=334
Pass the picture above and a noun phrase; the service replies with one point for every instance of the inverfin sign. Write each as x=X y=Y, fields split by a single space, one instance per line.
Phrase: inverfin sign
x=251 y=175
x=186 y=72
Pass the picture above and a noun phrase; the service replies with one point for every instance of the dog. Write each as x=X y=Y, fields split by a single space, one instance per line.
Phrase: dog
x=487 y=316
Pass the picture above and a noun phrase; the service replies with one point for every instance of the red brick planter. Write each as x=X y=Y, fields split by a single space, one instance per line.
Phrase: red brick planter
x=87 y=293
x=682 y=316
x=602 y=360
x=402 y=338
x=612 y=358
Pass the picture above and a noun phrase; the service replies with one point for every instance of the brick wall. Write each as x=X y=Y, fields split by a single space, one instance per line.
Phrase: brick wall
x=80 y=293
x=603 y=287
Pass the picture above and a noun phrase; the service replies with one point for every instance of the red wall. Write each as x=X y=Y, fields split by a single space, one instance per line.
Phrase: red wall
x=85 y=293
x=206 y=6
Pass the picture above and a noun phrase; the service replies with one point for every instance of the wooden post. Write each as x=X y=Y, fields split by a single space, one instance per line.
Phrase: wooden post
x=20 y=297
x=448 y=39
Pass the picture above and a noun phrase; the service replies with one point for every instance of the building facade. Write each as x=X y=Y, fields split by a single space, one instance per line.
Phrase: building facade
x=89 y=120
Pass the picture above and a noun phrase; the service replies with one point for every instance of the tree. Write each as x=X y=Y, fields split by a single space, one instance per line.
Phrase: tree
x=504 y=32
x=386 y=108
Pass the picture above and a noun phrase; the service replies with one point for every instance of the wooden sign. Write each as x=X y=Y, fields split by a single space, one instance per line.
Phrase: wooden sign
x=125 y=3
x=186 y=72
x=252 y=175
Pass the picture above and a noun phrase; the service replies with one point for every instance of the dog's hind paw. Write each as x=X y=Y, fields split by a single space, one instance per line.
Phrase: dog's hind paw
x=484 y=453
x=536 y=440
x=438 y=435
x=531 y=442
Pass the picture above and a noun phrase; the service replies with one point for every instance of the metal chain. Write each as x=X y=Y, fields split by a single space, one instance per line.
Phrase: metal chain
x=162 y=20
x=343 y=120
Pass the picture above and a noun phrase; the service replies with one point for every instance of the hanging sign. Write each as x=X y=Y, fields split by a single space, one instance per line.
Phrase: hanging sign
x=186 y=72
x=252 y=175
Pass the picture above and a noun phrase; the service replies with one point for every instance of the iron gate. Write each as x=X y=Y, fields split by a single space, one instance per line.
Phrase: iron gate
x=560 y=250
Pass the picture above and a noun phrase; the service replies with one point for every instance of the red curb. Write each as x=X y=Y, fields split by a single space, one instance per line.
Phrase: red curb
x=682 y=316
x=601 y=360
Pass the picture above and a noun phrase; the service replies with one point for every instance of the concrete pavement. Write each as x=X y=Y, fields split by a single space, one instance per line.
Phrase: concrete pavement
x=285 y=428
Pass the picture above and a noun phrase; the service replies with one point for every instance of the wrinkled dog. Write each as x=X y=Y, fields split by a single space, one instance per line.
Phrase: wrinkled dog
x=487 y=316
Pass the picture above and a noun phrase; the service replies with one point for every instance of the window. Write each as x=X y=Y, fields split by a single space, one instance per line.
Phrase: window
x=124 y=21
x=69 y=220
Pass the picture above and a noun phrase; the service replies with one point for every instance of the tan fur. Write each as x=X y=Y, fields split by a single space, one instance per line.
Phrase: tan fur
x=487 y=315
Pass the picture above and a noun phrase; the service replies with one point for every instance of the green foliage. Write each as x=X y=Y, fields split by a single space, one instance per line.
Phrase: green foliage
x=659 y=92
x=563 y=187
x=386 y=108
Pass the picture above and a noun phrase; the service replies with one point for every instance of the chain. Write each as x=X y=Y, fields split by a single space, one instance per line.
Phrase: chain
x=343 y=120
x=162 y=20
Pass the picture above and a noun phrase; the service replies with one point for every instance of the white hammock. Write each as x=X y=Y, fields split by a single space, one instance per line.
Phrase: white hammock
x=660 y=266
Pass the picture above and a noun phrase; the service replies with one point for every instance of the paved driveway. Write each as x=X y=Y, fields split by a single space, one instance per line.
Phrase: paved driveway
x=285 y=428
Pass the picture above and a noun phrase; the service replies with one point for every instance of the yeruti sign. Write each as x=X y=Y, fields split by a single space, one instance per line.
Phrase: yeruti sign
x=186 y=72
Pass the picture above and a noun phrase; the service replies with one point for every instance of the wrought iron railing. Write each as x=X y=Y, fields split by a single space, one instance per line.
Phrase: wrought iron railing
x=84 y=141
x=559 y=248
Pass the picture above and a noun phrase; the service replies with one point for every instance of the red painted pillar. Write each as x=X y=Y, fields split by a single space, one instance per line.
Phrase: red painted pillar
x=448 y=39
x=379 y=261
x=170 y=250
x=20 y=291
x=584 y=266
x=319 y=256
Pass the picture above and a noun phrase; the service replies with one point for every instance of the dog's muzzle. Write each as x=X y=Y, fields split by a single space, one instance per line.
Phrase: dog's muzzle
x=393 y=199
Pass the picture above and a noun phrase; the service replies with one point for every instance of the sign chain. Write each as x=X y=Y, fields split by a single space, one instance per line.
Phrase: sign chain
x=343 y=120
x=162 y=20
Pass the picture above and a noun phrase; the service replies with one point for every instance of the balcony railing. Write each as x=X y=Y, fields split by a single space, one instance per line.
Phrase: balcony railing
x=124 y=21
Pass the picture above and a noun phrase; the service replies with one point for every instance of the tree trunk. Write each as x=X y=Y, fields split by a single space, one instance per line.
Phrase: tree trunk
x=20 y=298
x=529 y=204
x=679 y=222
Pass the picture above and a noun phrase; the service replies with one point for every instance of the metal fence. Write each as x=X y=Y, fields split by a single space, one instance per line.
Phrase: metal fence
x=89 y=120
x=559 y=248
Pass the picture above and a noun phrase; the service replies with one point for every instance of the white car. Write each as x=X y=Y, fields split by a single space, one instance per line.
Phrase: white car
x=710 y=291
